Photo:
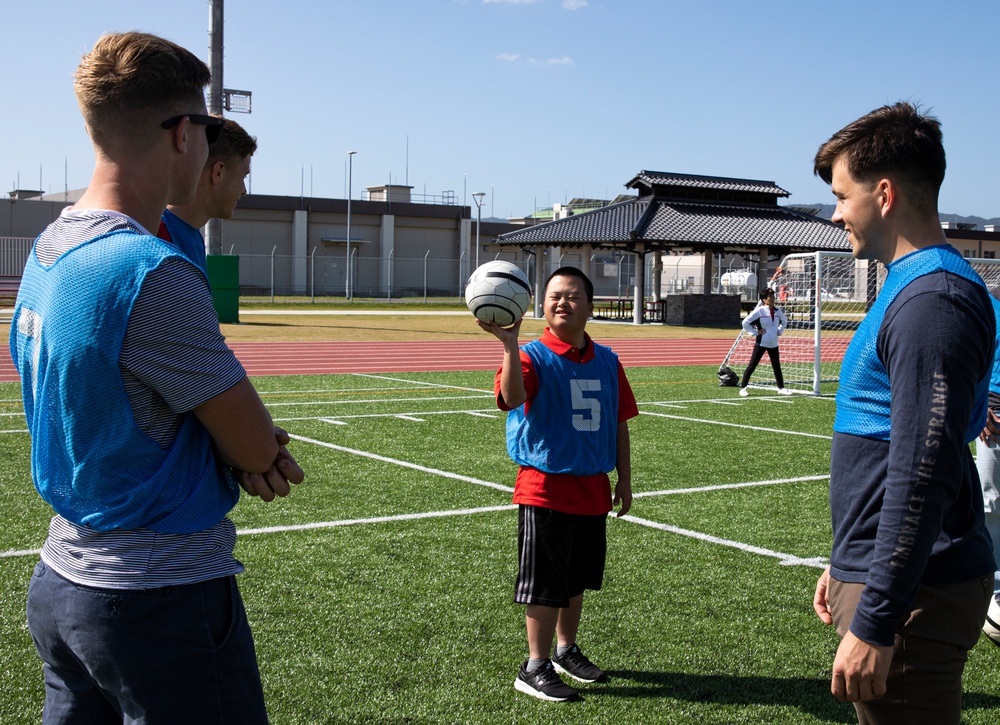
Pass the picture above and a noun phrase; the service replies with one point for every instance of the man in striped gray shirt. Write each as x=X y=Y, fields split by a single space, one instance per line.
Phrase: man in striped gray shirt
x=144 y=425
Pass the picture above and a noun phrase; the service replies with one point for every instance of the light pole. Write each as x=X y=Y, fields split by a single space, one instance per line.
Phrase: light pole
x=478 y=198
x=350 y=172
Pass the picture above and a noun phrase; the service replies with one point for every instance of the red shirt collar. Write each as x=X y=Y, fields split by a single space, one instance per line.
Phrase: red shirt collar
x=566 y=350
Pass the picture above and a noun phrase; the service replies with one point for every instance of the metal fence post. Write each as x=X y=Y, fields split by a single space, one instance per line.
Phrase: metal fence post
x=312 y=274
x=272 y=272
x=388 y=294
x=425 y=275
x=353 y=265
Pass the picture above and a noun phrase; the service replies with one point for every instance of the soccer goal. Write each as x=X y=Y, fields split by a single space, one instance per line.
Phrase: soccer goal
x=824 y=295
x=989 y=270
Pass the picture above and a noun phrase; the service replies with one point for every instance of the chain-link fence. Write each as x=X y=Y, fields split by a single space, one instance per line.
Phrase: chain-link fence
x=13 y=254
x=322 y=273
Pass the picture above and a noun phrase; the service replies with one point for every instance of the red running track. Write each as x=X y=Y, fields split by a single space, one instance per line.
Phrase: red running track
x=301 y=358
x=325 y=358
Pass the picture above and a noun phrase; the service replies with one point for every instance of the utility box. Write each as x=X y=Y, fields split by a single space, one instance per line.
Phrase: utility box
x=703 y=310
x=224 y=278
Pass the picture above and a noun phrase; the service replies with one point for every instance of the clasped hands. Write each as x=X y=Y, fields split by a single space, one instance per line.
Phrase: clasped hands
x=276 y=480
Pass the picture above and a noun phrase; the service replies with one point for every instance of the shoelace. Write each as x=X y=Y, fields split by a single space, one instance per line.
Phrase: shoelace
x=546 y=673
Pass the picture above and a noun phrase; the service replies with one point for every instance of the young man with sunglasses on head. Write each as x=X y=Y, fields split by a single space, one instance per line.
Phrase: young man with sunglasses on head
x=144 y=425
x=221 y=185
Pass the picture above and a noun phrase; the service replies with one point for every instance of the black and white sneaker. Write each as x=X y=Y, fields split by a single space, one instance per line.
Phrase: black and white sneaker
x=991 y=627
x=575 y=664
x=544 y=683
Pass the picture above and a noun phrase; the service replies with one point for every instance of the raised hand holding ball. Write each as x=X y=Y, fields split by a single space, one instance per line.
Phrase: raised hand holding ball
x=498 y=292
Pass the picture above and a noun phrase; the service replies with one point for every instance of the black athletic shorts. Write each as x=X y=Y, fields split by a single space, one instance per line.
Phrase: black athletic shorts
x=559 y=555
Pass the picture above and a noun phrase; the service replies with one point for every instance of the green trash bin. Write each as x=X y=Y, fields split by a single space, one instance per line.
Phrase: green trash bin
x=224 y=277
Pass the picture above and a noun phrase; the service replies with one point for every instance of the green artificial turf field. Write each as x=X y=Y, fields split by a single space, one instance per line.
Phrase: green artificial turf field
x=380 y=590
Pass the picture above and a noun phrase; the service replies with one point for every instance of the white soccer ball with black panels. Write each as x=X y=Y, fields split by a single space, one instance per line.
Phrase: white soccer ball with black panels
x=498 y=292
x=991 y=628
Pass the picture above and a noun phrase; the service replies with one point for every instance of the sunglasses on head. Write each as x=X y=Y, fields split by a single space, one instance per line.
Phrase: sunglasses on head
x=213 y=124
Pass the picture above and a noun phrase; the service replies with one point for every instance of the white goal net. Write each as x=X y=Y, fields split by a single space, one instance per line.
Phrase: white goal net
x=989 y=270
x=824 y=295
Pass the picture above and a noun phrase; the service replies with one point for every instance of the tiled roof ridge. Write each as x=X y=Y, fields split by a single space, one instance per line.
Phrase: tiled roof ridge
x=664 y=223
x=668 y=178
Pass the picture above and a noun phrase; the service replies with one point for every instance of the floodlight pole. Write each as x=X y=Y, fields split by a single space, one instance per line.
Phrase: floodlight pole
x=478 y=198
x=216 y=15
x=350 y=173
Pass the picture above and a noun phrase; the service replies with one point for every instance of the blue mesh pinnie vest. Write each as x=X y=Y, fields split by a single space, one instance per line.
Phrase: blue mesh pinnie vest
x=995 y=375
x=89 y=460
x=572 y=425
x=186 y=238
x=863 y=395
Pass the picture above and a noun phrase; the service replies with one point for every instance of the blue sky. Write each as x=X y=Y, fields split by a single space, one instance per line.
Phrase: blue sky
x=532 y=101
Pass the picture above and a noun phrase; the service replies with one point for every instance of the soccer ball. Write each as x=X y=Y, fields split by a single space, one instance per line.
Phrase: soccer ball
x=992 y=626
x=498 y=292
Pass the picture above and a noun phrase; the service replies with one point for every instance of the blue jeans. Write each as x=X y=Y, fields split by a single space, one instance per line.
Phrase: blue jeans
x=180 y=654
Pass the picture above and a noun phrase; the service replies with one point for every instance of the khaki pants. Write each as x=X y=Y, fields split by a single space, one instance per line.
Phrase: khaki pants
x=931 y=648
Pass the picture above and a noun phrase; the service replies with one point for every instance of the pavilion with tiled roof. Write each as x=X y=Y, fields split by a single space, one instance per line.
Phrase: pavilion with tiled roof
x=685 y=214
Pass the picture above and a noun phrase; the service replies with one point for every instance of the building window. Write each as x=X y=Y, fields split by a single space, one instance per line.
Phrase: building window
x=987 y=254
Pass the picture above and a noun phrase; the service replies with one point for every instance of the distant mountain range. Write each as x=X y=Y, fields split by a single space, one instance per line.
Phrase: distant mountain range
x=826 y=211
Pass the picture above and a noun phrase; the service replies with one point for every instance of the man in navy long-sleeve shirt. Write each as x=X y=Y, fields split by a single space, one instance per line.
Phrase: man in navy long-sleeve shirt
x=911 y=567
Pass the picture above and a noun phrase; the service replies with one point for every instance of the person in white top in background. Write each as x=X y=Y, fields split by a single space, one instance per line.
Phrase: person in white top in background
x=766 y=322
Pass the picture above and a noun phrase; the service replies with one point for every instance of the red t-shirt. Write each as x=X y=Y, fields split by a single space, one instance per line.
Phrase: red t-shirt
x=585 y=495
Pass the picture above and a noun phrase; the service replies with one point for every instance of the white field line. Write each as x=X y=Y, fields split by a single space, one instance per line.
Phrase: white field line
x=339 y=419
x=738 y=401
x=727 y=486
x=404 y=464
x=736 y=425
x=21 y=552
x=492 y=412
x=422 y=383
x=334 y=391
x=374 y=520
x=300 y=403
x=485 y=413
x=785 y=559
x=489 y=412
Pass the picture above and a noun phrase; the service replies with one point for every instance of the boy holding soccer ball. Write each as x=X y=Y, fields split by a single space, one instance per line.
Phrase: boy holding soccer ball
x=569 y=402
